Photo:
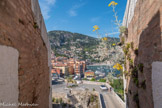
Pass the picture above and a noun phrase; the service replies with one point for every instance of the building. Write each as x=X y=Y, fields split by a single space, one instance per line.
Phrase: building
x=69 y=66
x=83 y=66
x=63 y=68
x=54 y=73
x=57 y=71
x=89 y=74
x=71 y=70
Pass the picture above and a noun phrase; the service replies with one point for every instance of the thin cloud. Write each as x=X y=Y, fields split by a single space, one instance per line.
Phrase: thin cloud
x=95 y=19
x=46 y=7
x=73 y=10
x=50 y=1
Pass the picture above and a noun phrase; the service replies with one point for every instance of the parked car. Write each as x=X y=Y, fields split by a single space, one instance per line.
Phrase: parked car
x=103 y=87
x=76 y=77
x=54 y=79
x=78 y=81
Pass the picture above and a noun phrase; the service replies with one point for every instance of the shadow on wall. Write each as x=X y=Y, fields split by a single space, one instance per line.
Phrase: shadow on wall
x=140 y=86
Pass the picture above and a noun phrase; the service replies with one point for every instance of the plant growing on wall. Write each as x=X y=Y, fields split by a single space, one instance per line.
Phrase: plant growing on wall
x=143 y=84
x=35 y=25
x=140 y=67
x=135 y=76
x=113 y=4
x=132 y=45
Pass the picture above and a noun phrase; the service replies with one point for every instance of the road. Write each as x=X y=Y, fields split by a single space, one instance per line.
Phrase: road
x=109 y=99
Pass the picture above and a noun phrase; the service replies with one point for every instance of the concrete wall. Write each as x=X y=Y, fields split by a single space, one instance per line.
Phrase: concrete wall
x=8 y=75
x=157 y=84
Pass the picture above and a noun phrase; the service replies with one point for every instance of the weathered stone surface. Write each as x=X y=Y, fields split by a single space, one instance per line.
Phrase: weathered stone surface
x=144 y=31
x=19 y=30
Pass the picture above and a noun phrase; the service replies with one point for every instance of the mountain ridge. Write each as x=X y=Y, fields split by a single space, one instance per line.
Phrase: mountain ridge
x=83 y=47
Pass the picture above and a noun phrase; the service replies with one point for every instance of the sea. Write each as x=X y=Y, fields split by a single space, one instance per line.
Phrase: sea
x=102 y=68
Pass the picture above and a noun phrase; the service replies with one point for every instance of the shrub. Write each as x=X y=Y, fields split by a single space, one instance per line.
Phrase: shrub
x=128 y=46
x=92 y=98
x=143 y=84
x=93 y=79
x=123 y=29
x=84 y=79
x=57 y=101
x=134 y=72
x=35 y=25
x=135 y=76
x=135 y=80
x=131 y=63
x=53 y=99
x=125 y=51
x=132 y=45
x=140 y=67
x=102 y=80
x=122 y=40
x=60 y=100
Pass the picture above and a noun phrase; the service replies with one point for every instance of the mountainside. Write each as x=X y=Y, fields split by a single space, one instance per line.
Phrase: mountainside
x=80 y=46
x=60 y=39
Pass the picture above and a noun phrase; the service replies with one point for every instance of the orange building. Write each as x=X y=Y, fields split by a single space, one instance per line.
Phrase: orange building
x=71 y=70
x=89 y=75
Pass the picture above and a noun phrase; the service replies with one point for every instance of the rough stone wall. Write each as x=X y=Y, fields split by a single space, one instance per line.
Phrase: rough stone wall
x=145 y=40
x=19 y=29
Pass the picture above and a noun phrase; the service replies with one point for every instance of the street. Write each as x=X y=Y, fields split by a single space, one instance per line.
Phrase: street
x=108 y=98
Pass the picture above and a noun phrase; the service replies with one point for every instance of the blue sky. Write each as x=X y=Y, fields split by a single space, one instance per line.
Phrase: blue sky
x=80 y=16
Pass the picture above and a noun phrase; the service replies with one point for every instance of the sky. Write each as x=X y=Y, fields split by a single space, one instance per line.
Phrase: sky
x=79 y=16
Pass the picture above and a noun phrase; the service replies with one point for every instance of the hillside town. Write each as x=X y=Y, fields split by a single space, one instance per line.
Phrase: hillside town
x=65 y=67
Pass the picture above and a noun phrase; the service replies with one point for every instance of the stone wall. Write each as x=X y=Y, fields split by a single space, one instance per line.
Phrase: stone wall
x=21 y=30
x=143 y=46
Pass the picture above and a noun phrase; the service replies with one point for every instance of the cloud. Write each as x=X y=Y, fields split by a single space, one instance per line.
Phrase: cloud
x=50 y=1
x=73 y=10
x=95 y=19
x=46 y=7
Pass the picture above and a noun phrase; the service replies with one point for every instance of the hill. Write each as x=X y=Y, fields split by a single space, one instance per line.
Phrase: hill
x=80 y=46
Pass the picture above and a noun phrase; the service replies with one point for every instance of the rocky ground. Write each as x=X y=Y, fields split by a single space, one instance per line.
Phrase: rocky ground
x=76 y=99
